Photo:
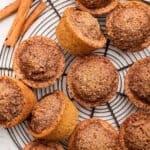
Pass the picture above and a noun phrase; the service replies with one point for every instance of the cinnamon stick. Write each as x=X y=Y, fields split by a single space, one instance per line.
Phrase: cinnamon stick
x=10 y=9
x=18 y=23
x=33 y=16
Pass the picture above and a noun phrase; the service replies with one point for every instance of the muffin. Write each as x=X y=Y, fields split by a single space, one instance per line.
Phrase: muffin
x=97 y=7
x=16 y=101
x=135 y=132
x=51 y=118
x=38 y=62
x=128 y=26
x=79 y=32
x=92 y=80
x=137 y=83
x=43 y=145
x=94 y=134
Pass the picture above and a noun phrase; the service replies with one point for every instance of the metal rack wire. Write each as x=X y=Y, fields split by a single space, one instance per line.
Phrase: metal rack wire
x=114 y=112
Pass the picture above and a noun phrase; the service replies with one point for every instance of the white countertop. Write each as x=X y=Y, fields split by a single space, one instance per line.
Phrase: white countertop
x=6 y=142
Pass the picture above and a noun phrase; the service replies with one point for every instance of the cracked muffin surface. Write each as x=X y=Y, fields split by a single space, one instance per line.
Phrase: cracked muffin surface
x=38 y=61
x=85 y=24
x=11 y=100
x=137 y=83
x=79 y=32
x=97 y=7
x=92 y=80
x=128 y=26
x=45 y=113
x=135 y=132
x=94 y=134
x=16 y=101
x=51 y=119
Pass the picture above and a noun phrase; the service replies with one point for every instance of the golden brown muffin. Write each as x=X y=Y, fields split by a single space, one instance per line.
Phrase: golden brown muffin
x=135 y=132
x=92 y=80
x=79 y=32
x=128 y=26
x=38 y=62
x=97 y=7
x=16 y=101
x=53 y=118
x=94 y=134
x=43 y=145
x=137 y=83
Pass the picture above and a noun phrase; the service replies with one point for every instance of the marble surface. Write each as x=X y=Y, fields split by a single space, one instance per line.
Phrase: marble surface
x=6 y=142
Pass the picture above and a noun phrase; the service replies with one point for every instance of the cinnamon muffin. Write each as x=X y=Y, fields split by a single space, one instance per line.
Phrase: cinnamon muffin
x=97 y=7
x=137 y=83
x=128 y=26
x=43 y=145
x=16 y=101
x=79 y=32
x=135 y=132
x=94 y=134
x=51 y=118
x=38 y=62
x=92 y=80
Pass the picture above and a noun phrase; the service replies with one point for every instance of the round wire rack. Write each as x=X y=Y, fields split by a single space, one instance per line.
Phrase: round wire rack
x=114 y=112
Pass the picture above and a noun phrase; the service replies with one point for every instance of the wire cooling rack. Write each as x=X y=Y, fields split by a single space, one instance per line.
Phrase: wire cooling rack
x=114 y=112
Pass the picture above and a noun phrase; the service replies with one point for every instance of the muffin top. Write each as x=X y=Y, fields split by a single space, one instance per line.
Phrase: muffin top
x=128 y=25
x=135 y=132
x=92 y=4
x=92 y=80
x=85 y=24
x=46 y=113
x=39 y=60
x=97 y=7
x=137 y=83
x=11 y=100
x=94 y=134
x=43 y=145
